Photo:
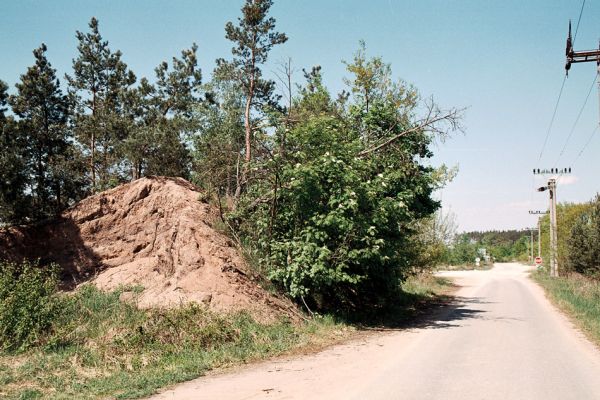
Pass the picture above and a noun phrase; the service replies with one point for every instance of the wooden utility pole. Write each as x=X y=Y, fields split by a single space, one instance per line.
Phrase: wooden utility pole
x=539 y=237
x=553 y=226
x=553 y=229
x=574 y=57
x=531 y=245
x=538 y=212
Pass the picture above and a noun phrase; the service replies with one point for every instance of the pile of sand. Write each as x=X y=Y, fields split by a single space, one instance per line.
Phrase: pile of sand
x=154 y=233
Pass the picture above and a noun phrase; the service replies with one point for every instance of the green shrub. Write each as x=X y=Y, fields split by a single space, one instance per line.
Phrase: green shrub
x=29 y=303
x=583 y=242
x=343 y=235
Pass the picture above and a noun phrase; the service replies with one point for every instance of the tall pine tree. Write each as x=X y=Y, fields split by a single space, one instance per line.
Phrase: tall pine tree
x=100 y=81
x=14 y=203
x=161 y=116
x=43 y=111
x=254 y=37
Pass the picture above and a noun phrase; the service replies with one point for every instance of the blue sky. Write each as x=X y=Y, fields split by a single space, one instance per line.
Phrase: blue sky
x=504 y=60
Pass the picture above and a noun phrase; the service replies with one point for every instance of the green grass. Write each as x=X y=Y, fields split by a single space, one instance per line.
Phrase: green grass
x=578 y=296
x=101 y=347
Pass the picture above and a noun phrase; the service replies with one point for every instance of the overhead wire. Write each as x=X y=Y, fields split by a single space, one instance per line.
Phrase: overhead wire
x=586 y=144
x=578 y=21
x=561 y=89
x=577 y=119
x=562 y=86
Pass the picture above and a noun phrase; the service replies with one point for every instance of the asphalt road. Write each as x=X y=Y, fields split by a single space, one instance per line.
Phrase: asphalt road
x=501 y=339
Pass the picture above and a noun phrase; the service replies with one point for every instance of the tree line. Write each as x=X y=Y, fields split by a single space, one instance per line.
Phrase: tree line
x=330 y=194
x=103 y=129
x=502 y=246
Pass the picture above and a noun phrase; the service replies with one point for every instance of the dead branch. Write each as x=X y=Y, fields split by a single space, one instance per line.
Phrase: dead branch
x=438 y=122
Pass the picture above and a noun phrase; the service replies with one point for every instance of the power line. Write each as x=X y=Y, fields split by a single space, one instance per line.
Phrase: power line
x=586 y=144
x=561 y=86
x=577 y=119
x=553 y=117
x=578 y=20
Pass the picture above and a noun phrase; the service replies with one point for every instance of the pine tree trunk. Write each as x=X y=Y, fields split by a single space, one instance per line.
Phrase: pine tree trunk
x=92 y=158
x=93 y=143
x=248 y=127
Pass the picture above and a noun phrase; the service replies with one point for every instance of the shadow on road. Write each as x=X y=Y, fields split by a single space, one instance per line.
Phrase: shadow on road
x=441 y=313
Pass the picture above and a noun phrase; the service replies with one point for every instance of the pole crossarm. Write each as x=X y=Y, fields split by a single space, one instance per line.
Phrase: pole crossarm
x=583 y=56
x=574 y=57
x=552 y=171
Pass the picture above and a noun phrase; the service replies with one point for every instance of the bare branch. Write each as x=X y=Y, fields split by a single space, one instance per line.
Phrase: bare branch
x=437 y=122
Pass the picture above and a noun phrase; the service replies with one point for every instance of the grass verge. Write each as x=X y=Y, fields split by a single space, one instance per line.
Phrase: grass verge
x=102 y=347
x=578 y=296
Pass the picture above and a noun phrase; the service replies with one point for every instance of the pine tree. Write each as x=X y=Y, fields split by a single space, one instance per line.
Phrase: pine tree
x=100 y=80
x=43 y=112
x=14 y=203
x=254 y=37
x=161 y=116
x=220 y=143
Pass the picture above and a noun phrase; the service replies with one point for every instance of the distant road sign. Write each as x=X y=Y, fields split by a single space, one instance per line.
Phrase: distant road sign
x=538 y=260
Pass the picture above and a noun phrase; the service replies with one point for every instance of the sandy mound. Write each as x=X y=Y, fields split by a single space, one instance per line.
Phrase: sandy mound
x=155 y=233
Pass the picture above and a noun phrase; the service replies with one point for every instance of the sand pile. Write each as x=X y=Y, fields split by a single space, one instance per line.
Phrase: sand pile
x=154 y=233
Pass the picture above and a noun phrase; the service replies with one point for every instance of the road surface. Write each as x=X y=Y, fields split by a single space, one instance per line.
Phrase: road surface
x=500 y=340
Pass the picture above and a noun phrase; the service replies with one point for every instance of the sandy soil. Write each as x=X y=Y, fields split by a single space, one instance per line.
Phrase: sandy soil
x=155 y=233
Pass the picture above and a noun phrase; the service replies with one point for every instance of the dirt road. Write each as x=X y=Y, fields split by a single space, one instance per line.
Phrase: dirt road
x=501 y=340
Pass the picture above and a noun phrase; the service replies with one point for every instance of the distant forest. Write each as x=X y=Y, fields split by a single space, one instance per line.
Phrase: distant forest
x=510 y=245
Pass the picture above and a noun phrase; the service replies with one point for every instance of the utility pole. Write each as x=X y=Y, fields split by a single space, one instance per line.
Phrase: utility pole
x=553 y=226
x=539 y=224
x=539 y=237
x=531 y=246
x=574 y=57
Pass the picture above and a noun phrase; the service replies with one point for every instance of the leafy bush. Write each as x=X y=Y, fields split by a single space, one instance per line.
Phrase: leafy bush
x=583 y=243
x=29 y=303
x=344 y=233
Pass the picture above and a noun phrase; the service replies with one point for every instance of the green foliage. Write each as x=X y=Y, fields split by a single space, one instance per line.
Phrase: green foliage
x=29 y=304
x=340 y=227
x=372 y=83
x=14 y=200
x=253 y=37
x=463 y=251
x=42 y=143
x=502 y=246
x=160 y=118
x=218 y=148
x=435 y=236
x=573 y=220
x=332 y=193
x=578 y=296
x=583 y=242
x=102 y=347
x=99 y=83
